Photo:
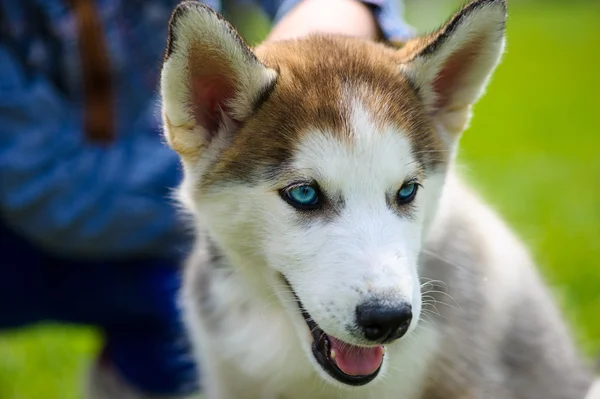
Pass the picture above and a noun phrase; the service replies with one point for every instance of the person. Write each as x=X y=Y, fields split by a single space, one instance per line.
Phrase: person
x=88 y=230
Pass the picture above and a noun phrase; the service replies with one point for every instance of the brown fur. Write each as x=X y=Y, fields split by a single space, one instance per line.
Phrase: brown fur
x=308 y=95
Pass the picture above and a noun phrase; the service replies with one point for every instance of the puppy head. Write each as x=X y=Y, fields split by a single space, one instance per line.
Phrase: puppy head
x=316 y=165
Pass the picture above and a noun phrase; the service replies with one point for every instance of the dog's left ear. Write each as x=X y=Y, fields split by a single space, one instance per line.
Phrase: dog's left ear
x=210 y=81
x=450 y=68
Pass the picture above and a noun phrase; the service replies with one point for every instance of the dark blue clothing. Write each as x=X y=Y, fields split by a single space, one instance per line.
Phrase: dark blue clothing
x=133 y=302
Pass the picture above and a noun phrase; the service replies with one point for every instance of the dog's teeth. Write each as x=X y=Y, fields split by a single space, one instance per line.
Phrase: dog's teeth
x=383 y=349
x=332 y=354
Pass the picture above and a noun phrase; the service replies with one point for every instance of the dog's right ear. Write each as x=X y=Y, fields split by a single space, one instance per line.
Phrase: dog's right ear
x=210 y=80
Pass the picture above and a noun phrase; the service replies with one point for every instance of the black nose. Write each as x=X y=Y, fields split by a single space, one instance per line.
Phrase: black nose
x=383 y=323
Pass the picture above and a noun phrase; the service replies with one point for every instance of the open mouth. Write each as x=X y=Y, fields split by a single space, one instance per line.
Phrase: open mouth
x=345 y=362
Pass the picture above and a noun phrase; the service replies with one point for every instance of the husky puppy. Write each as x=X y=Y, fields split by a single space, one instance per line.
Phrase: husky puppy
x=331 y=222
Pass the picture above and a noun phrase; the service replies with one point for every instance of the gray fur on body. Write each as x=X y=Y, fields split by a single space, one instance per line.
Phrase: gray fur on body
x=503 y=336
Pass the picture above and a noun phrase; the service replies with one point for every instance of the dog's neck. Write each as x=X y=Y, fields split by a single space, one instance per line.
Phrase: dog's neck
x=249 y=273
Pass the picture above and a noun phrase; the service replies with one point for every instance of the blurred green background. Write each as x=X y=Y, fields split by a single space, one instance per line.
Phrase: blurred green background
x=533 y=151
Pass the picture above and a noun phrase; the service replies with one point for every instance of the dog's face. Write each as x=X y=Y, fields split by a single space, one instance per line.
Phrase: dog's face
x=316 y=166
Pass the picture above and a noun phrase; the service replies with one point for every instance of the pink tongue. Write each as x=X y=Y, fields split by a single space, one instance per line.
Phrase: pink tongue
x=355 y=360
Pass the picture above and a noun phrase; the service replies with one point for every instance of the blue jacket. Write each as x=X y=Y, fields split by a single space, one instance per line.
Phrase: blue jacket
x=67 y=195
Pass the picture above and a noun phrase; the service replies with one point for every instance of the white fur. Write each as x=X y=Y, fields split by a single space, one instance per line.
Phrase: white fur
x=594 y=391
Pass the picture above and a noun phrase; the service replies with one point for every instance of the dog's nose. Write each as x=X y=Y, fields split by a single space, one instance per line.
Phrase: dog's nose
x=383 y=323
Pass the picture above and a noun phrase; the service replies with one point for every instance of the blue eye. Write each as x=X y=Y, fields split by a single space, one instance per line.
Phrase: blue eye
x=302 y=197
x=407 y=193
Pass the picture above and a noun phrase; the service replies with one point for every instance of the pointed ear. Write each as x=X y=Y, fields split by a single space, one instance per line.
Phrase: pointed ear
x=210 y=80
x=451 y=67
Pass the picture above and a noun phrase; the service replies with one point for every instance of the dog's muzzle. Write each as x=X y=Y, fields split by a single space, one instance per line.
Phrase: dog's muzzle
x=347 y=363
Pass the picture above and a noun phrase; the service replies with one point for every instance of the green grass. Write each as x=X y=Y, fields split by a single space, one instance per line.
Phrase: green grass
x=46 y=362
x=533 y=150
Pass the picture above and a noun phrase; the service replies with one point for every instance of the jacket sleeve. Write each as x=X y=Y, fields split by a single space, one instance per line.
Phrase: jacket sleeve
x=72 y=197
x=388 y=13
